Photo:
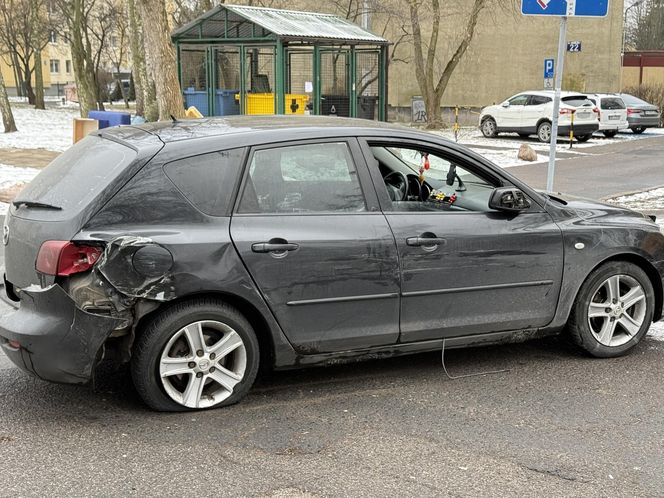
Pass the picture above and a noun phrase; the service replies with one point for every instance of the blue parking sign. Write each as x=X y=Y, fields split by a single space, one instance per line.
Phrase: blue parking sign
x=548 y=69
x=572 y=8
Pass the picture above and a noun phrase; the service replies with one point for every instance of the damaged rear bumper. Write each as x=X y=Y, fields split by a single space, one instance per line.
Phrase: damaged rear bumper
x=58 y=341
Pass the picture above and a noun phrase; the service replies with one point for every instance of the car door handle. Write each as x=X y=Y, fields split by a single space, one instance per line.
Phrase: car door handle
x=425 y=241
x=263 y=247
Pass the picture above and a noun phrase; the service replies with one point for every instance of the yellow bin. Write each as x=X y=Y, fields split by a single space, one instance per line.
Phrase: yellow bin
x=263 y=103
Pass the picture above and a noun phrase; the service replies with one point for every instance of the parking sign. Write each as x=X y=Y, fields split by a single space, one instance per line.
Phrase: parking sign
x=570 y=8
x=548 y=69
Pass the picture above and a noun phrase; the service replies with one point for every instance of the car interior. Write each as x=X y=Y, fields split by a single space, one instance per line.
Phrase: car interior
x=419 y=181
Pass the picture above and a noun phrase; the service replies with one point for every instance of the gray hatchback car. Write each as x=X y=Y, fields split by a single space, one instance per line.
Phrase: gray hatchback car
x=199 y=250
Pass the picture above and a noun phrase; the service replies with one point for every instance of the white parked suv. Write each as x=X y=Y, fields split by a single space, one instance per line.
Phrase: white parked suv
x=530 y=113
x=612 y=113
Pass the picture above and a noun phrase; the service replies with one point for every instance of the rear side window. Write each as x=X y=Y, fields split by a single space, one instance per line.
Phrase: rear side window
x=538 y=100
x=78 y=175
x=302 y=179
x=207 y=180
x=613 y=103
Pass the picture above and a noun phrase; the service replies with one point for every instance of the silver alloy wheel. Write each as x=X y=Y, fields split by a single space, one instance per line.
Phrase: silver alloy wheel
x=617 y=310
x=544 y=132
x=488 y=128
x=202 y=363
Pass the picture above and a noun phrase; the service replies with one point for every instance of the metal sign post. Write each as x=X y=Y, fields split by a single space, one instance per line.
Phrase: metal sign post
x=562 y=9
x=556 y=103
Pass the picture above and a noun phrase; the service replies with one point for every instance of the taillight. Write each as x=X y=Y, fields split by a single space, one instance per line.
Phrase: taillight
x=633 y=111
x=62 y=258
x=596 y=111
x=566 y=112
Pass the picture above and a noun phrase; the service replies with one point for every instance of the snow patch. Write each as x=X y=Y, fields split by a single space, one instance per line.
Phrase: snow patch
x=49 y=129
x=11 y=175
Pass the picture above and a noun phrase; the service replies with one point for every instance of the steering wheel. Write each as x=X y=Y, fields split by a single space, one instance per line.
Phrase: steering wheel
x=402 y=186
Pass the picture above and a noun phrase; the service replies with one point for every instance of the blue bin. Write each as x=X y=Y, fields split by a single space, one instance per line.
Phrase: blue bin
x=225 y=103
x=110 y=118
x=197 y=98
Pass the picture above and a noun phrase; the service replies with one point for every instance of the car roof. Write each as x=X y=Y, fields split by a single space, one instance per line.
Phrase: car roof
x=551 y=93
x=178 y=130
x=606 y=95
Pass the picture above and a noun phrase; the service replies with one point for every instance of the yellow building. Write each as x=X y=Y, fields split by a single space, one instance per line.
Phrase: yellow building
x=57 y=68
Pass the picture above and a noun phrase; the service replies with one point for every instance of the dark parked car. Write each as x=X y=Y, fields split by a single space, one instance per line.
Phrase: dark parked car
x=198 y=250
x=640 y=114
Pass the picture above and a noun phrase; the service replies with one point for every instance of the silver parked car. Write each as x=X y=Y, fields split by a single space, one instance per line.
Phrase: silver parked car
x=640 y=114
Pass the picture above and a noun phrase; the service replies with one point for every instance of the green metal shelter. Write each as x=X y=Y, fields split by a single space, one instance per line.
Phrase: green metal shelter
x=254 y=60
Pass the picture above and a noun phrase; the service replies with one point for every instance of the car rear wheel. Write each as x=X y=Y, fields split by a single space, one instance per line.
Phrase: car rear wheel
x=638 y=130
x=610 y=133
x=613 y=310
x=489 y=129
x=583 y=138
x=544 y=132
x=194 y=355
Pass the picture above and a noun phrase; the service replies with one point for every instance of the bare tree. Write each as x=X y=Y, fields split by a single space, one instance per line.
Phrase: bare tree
x=647 y=31
x=427 y=51
x=88 y=26
x=161 y=57
x=116 y=50
x=5 y=108
x=24 y=32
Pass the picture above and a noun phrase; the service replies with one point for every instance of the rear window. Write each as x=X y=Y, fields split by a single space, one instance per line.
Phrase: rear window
x=577 y=101
x=632 y=100
x=77 y=176
x=612 y=103
x=207 y=180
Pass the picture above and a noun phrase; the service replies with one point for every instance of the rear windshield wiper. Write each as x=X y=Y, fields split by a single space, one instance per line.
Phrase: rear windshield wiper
x=35 y=204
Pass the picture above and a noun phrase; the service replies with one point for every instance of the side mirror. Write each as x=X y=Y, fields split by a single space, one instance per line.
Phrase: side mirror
x=505 y=104
x=509 y=199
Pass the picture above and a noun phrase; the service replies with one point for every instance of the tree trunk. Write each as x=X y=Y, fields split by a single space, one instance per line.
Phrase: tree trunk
x=27 y=78
x=162 y=56
x=18 y=77
x=39 y=81
x=37 y=44
x=84 y=73
x=5 y=108
x=138 y=62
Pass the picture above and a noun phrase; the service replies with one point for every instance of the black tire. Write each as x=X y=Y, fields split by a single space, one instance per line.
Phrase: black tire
x=583 y=138
x=156 y=334
x=579 y=325
x=544 y=132
x=610 y=133
x=638 y=130
x=489 y=128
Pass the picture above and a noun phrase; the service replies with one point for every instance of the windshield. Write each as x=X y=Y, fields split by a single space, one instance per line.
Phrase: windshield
x=78 y=175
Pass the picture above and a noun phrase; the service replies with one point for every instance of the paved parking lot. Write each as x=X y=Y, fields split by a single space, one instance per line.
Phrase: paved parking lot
x=556 y=423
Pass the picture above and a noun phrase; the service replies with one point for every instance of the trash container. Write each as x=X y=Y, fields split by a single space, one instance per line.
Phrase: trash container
x=198 y=99
x=366 y=107
x=335 y=105
x=225 y=103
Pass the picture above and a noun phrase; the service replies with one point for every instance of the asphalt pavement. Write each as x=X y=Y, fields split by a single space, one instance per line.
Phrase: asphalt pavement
x=556 y=423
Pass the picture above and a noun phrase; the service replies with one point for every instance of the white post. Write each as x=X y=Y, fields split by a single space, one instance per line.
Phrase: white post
x=562 y=37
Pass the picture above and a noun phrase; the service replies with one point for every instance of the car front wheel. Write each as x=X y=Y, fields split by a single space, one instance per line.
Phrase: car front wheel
x=197 y=354
x=583 y=138
x=613 y=310
x=489 y=129
x=638 y=130
x=544 y=132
